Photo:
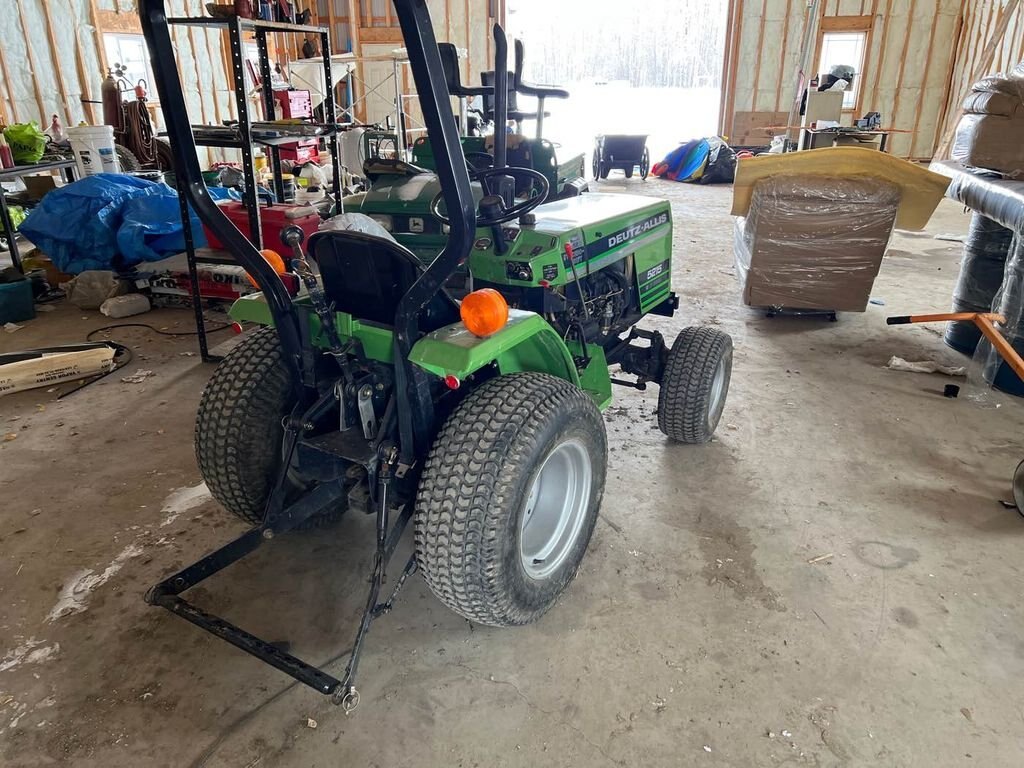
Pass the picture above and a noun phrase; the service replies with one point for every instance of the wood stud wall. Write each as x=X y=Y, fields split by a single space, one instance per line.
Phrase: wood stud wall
x=203 y=61
x=907 y=69
x=922 y=55
x=984 y=24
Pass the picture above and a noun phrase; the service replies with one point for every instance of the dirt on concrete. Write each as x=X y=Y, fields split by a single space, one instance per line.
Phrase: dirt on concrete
x=831 y=582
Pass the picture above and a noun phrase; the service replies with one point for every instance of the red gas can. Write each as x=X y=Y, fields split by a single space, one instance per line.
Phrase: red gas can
x=294 y=104
x=302 y=151
x=273 y=219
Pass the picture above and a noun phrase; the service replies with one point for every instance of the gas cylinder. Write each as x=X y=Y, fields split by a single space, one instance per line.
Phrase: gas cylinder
x=111 y=96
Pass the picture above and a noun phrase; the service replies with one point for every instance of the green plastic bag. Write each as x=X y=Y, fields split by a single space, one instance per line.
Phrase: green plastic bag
x=17 y=214
x=27 y=142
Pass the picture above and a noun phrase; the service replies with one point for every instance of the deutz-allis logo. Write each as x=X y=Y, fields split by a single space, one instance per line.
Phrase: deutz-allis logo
x=637 y=229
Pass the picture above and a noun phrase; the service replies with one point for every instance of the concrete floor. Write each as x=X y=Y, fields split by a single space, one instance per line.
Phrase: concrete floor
x=705 y=627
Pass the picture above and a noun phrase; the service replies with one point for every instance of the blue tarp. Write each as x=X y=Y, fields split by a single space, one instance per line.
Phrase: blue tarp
x=110 y=221
x=684 y=163
x=700 y=161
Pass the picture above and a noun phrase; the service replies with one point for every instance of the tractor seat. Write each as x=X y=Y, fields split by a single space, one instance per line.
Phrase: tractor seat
x=533 y=89
x=376 y=167
x=514 y=113
x=452 y=78
x=366 y=276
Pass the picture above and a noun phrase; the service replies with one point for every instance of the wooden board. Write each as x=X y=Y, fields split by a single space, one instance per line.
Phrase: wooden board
x=51 y=369
x=756 y=128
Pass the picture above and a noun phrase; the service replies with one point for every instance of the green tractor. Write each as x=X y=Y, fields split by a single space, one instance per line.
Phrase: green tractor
x=400 y=193
x=478 y=422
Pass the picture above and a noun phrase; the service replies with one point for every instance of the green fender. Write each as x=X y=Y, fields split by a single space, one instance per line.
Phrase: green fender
x=526 y=343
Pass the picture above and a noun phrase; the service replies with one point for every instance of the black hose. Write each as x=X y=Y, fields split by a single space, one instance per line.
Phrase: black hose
x=125 y=352
x=89 y=335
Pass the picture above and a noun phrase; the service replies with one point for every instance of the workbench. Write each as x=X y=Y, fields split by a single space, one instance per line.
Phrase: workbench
x=818 y=138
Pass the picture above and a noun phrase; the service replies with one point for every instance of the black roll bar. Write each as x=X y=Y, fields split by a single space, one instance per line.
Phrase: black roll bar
x=500 y=98
x=417 y=417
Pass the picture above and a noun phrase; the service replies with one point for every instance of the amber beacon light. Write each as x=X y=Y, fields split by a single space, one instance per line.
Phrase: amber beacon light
x=484 y=312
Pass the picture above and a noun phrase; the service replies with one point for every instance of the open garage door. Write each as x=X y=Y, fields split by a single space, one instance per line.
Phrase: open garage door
x=639 y=68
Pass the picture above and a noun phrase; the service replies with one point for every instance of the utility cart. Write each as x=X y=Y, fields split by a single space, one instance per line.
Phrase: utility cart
x=623 y=152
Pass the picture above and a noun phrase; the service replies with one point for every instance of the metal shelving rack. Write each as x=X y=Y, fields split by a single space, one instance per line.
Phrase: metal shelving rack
x=237 y=27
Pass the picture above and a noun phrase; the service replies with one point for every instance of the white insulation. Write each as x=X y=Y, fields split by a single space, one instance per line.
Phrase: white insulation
x=199 y=56
x=904 y=78
x=25 y=27
x=35 y=91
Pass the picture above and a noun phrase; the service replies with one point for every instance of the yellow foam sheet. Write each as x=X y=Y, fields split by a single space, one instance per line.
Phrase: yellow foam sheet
x=921 y=189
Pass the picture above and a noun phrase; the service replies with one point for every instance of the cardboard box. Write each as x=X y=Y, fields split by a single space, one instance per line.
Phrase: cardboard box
x=812 y=242
x=823 y=105
x=38 y=184
x=756 y=129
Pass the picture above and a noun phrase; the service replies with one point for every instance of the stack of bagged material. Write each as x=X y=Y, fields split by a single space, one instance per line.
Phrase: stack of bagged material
x=989 y=134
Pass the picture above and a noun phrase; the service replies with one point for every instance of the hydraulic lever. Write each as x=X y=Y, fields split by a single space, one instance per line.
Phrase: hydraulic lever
x=293 y=237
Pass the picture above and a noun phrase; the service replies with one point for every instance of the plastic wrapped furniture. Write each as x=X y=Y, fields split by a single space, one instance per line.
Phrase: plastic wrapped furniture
x=981 y=274
x=1002 y=201
x=814 y=242
x=1008 y=302
x=988 y=134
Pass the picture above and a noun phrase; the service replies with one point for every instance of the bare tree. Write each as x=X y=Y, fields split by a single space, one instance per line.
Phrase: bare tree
x=668 y=43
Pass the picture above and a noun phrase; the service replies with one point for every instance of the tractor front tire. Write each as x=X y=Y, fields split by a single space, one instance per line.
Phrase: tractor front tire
x=695 y=385
x=239 y=429
x=509 y=497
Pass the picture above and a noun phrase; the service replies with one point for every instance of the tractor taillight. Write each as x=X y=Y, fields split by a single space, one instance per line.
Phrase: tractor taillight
x=452 y=382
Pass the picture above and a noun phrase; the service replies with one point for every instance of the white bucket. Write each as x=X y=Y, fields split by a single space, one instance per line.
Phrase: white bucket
x=94 y=149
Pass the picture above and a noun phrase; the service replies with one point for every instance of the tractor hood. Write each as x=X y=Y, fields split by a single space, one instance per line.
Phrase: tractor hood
x=401 y=192
x=405 y=194
x=603 y=212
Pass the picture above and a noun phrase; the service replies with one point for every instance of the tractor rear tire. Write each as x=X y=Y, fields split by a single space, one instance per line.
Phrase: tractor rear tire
x=695 y=385
x=509 y=497
x=239 y=429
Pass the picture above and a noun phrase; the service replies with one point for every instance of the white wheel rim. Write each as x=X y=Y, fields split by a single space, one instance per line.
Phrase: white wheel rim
x=555 y=509
x=716 y=399
x=1018 y=487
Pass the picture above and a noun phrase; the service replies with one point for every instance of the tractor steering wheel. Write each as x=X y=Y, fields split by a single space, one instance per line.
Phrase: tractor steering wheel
x=478 y=161
x=498 y=213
